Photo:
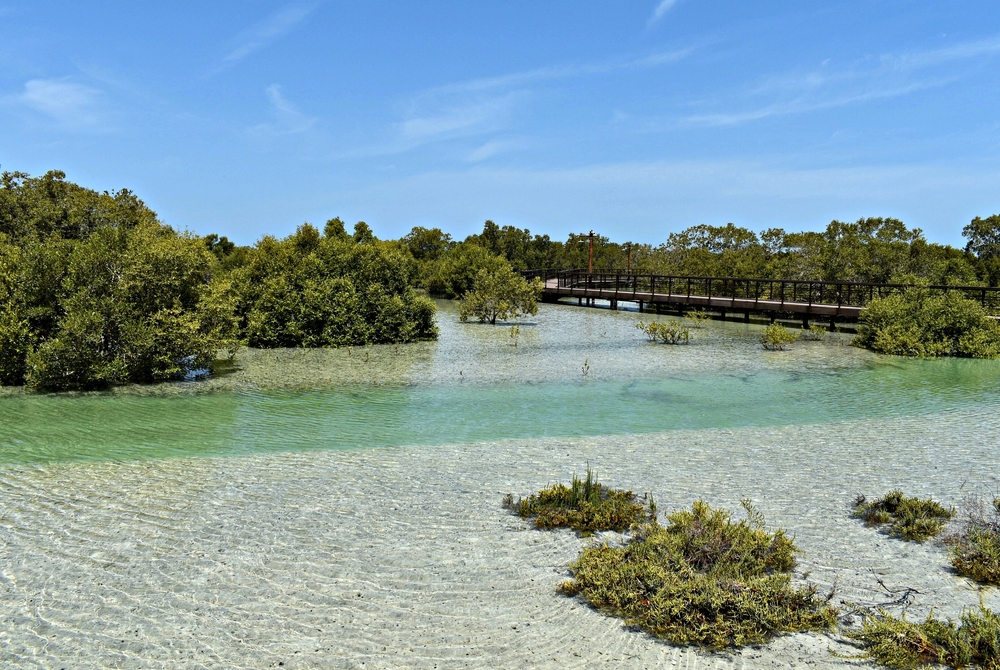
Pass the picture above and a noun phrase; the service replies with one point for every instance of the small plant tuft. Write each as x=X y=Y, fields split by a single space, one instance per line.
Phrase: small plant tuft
x=776 y=337
x=702 y=580
x=975 y=552
x=668 y=332
x=911 y=518
x=814 y=332
x=585 y=505
x=898 y=643
x=697 y=317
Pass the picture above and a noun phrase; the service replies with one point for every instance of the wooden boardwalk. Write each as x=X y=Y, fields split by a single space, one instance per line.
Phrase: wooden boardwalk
x=837 y=301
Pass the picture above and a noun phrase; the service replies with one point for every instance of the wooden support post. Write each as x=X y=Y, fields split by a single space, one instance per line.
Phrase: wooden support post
x=614 y=304
x=579 y=302
x=746 y=316
x=773 y=316
x=833 y=324
x=722 y=314
x=805 y=321
x=640 y=305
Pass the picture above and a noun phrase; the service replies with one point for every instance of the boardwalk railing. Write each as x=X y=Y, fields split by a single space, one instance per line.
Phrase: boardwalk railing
x=746 y=292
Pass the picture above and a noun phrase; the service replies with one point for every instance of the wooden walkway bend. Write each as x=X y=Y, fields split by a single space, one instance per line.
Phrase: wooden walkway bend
x=837 y=301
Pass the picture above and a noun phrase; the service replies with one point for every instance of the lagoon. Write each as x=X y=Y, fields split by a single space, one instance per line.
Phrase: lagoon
x=335 y=508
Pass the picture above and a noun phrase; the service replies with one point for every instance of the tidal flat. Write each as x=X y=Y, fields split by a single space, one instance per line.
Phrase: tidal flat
x=342 y=508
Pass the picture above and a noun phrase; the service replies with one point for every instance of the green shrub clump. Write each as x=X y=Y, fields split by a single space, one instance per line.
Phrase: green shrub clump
x=898 y=643
x=95 y=291
x=585 y=505
x=911 y=518
x=919 y=323
x=702 y=580
x=975 y=552
x=776 y=337
x=500 y=293
x=312 y=290
x=667 y=332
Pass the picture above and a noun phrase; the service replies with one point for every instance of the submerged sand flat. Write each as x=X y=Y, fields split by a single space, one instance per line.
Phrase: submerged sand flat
x=403 y=557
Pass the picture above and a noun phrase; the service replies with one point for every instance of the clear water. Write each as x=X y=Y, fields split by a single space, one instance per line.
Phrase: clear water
x=300 y=543
x=573 y=372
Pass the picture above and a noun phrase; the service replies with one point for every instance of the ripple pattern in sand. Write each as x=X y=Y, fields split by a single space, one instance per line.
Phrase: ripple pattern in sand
x=403 y=557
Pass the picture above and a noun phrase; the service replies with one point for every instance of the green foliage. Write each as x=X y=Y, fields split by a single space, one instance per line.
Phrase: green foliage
x=697 y=317
x=95 y=291
x=975 y=552
x=898 y=643
x=522 y=250
x=919 y=323
x=702 y=580
x=910 y=518
x=454 y=273
x=500 y=293
x=868 y=250
x=427 y=244
x=667 y=332
x=310 y=291
x=814 y=332
x=776 y=337
x=585 y=506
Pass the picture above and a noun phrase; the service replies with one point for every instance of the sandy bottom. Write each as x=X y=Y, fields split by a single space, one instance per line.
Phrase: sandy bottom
x=404 y=557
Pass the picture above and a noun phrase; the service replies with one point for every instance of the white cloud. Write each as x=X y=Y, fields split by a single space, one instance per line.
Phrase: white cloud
x=67 y=103
x=288 y=119
x=661 y=9
x=275 y=26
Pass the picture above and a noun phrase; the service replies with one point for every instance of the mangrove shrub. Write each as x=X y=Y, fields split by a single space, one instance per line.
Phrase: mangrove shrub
x=702 y=580
x=918 y=322
x=585 y=505
x=95 y=291
x=309 y=290
x=500 y=293
x=916 y=519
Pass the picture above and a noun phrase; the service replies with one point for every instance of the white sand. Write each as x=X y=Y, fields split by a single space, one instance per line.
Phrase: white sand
x=405 y=558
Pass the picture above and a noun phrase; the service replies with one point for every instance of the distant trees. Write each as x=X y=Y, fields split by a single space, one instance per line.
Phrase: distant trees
x=984 y=243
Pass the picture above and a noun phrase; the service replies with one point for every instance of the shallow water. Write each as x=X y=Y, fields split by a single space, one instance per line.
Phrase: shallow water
x=573 y=372
x=341 y=508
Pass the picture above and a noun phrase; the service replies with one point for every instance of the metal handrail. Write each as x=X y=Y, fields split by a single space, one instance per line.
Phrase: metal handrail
x=804 y=291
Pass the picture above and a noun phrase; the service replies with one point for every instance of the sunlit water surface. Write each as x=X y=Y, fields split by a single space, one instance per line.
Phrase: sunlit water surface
x=263 y=517
x=569 y=372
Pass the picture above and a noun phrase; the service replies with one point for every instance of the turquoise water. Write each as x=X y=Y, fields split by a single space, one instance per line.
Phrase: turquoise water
x=574 y=372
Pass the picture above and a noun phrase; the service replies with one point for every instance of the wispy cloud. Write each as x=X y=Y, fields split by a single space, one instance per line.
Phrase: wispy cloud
x=662 y=8
x=260 y=35
x=526 y=77
x=288 y=119
x=68 y=104
x=485 y=106
x=472 y=118
x=491 y=149
x=887 y=76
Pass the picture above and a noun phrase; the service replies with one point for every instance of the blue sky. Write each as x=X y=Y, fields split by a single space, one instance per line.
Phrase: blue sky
x=632 y=118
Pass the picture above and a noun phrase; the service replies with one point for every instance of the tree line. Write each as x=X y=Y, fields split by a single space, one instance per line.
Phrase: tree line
x=96 y=291
x=878 y=250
